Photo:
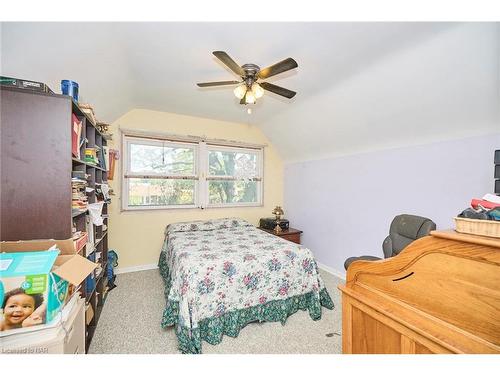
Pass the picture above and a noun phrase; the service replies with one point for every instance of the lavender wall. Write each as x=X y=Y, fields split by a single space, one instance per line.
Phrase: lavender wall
x=345 y=205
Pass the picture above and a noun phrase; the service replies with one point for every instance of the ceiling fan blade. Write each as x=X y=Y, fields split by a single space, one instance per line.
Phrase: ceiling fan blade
x=229 y=62
x=278 y=68
x=220 y=83
x=278 y=90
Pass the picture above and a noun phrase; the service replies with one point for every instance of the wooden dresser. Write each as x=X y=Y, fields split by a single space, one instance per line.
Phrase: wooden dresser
x=439 y=295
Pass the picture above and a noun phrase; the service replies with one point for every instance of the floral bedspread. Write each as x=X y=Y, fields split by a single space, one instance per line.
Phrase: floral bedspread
x=222 y=274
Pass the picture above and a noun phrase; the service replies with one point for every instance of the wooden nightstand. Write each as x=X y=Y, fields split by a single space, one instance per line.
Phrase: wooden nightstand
x=291 y=234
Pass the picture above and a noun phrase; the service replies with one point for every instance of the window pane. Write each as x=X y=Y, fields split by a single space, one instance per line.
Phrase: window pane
x=160 y=192
x=231 y=163
x=161 y=160
x=232 y=191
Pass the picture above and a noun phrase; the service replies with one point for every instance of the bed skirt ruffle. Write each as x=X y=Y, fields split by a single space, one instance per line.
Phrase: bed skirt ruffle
x=230 y=323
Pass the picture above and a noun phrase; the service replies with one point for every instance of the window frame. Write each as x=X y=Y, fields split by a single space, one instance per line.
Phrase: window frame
x=259 y=179
x=127 y=174
x=201 y=177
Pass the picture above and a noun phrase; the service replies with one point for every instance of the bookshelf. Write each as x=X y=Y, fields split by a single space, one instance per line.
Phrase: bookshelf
x=37 y=166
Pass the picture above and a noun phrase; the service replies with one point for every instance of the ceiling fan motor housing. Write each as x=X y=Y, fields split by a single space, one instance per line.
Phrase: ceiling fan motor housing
x=251 y=71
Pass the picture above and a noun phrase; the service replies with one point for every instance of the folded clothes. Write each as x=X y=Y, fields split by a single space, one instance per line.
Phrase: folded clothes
x=492 y=198
x=475 y=203
x=481 y=213
x=471 y=213
x=494 y=214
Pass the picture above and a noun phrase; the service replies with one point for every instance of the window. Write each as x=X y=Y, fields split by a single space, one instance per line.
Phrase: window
x=160 y=174
x=233 y=176
x=169 y=174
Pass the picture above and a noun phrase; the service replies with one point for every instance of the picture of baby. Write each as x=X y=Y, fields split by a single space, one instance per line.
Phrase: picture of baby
x=22 y=310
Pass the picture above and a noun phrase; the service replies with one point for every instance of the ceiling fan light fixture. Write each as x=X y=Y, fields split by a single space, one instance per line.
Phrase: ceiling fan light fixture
x=250 y=97
x=257 y=90
x=240 y=91
x=248 y=89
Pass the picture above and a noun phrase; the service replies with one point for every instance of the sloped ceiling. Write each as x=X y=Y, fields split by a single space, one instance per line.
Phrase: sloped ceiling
x=361 y=86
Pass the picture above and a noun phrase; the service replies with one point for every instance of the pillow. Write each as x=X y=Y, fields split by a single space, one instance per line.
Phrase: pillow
x=230 y=222
x=190 y=226
x=199 y=225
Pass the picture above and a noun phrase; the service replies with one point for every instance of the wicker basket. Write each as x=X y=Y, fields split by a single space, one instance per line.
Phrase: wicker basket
x=489 y=228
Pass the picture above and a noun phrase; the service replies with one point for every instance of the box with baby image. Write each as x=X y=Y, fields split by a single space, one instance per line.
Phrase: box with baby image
x=35 y=281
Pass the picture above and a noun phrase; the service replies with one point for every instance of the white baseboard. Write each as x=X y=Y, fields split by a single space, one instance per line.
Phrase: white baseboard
x=334 y=272
x=143 y=267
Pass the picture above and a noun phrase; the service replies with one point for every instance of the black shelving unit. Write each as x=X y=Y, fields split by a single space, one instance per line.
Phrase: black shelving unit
x=37 y=164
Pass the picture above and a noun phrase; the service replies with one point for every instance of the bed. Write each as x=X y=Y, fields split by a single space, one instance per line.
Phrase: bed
x=222 y=274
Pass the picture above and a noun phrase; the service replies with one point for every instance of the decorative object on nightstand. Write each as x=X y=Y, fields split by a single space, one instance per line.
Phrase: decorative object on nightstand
x=270 y=223
x=278 y=211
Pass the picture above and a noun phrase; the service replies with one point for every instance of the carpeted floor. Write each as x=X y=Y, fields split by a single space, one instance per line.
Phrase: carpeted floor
x=130 y=323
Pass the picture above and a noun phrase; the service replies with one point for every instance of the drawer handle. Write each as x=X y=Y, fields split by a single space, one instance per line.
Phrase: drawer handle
x=404 y=277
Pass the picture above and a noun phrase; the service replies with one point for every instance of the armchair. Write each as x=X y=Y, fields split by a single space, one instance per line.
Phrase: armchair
x=404 y=230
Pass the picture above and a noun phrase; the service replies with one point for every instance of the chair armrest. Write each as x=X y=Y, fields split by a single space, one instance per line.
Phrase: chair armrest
x=387 y=247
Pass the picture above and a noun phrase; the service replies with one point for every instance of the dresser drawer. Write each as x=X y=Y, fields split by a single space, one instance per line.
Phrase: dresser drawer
x=290 y=234
x=75 y=336
x=294 y=237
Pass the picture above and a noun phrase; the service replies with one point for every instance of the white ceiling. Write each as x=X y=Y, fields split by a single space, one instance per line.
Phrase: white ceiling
x=361 y=86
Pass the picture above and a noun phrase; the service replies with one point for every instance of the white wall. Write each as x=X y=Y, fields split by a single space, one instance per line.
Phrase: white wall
x=443 y=87
x=413 y=132
x=345 y=205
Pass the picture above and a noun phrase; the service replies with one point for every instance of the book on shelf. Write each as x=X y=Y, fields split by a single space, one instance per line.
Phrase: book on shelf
x=80 y=175
x=101 y=158
x=79 y=199
x=76 y=135
x=89 y=111
x=91 y=155
x=105 y=150
x=89 y=228
x=80 y=240
x=102 y=192
x=113 y=156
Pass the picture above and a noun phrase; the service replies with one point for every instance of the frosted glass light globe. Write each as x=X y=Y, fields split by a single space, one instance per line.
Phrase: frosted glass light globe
x=250 y=97
x=257 y=90
x=240 y=91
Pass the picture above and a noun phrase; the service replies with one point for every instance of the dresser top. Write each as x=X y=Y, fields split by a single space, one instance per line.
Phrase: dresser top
x=451 y=234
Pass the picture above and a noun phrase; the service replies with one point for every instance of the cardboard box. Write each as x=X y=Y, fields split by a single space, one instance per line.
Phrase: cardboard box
x=25 y=84
x=40 y=271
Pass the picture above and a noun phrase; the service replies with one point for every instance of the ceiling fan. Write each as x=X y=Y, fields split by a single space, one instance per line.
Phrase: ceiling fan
x=248 y=89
